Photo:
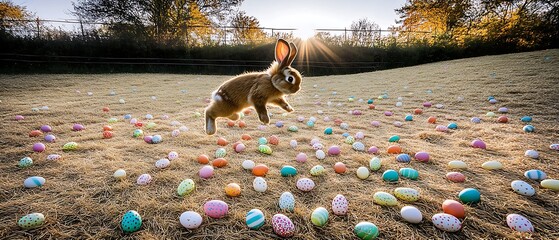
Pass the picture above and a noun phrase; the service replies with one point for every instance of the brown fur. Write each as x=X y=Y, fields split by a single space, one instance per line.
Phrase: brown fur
x=256 y=89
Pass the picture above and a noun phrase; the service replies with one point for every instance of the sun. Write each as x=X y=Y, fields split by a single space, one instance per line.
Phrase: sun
x=305 y=33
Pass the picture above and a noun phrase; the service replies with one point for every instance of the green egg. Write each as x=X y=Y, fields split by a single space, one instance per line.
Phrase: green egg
x=30 y=221
x=366 y=230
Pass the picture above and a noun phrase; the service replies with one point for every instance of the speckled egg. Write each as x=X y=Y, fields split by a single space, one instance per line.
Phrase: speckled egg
x=358 y=146
x=186 y=187
x=340 y=205
x=131 y=221
x=522 y=188
x=320 y=154
x=31 y=221
x=259 y=184
x=456 y=177
x=293 y=128
x=283 y=226
x=519 y=223
x=54 y=157
x=446 y=222
x=220 y=153
x=25 y=162
x=162 y=163
x=317 y=170
x=144 y=179
x=305 y=184
x=70 y=146
x=406 y=194
x=216 y=208
x=287 y=202
x=384 y=199
x=190 y=220
x=375 y=164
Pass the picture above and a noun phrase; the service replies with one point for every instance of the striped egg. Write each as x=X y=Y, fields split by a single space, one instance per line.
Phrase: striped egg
x=366 y=231
x=340 y=205
x=283 y=226
x=265 y=149
x=406 y=194
x=535 y=174
x=144 y=179
x=375 y=164
x=403 y=158
x=185 y=187
x=358 y=146
x=319 y=216
x=446 y=222
x=255 y=219
x=529 y=128
x=305 y=184
x=293 y=128
x=384 y=199
x=522 y=188
x=35 y=181
x=216 y=208
x=409 y=173
x=287 y=202
x=317 y=170
x=519 y=223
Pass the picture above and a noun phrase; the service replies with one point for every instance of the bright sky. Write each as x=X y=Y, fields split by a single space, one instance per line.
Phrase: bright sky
x=304 y=15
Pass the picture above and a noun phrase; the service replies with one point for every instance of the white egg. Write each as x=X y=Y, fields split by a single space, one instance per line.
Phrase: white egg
x=259 y=184
x=120 y=174
x=411 y=214
x=190 y=220
x=162 y=163
x=362 y=173
x=522 y=188
x=248 y=164
x=287 y=202
x=320 y=154
x=293 y=143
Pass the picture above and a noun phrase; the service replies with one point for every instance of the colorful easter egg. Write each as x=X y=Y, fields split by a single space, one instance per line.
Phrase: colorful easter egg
x=54 y=157
x=522 y=188
x=35 y=181
x=255 y=219
x=25 y=162
x=305 y=184
x=529 y=128
x=287 y=202
x=492 y=165
x=78 y=127
x=162 y=163
x=334 y=150
x=478 y=144
x=172 y=155
x=220 y=153
x=233 y=190
x=70 y=146
x=219 y=162
x=206 y=172
x=375 y=123
x=46 y=128
x=384 y=199
x=265 y=149
x=344 y=126
x=432 y=120
x=317 y=170
x=532 y=154
x=239 y=147
x=456 y=164
x=452 y=126
x=390 y=175
x=222 y=141
x=148 y=139
x=216 y=208
x=301 y=157
x=320 y=154
x=190 y=220
x=411 y=214
x=262 y=141
x=409 y=173
x=31 y=221
x=446 y=222
x=260 y=170
x=475 y=120
x=283 y=226
x=186 y=187
x=406 y=194
x=422 y=156
x=340 y=167
x=203 y=159
x=248 y=164
x=519 y=223
x=340 y=205
x=366 y=231
x=259 y=184
x=454 y=208
x=288 y=171
x=137 y=133
x=503 y=119
x=373 y=150
x=535 y=174
x=395 y=149
x=394 y=138
x=293 y=143
x=293 y=128
x=358 y=146
x=362 y=173
x=35 y=133
x=319 y=216
x=107 y=134
x=403 y=158
x=441 y=128
x=39 y=147
x=408 y=118
x=144 y=179
x=526 y=119
x=469 y=195
x=131 y=222
x=388 y=113
x=328 y=131
x=490 y=114
x=375 y=164
x=50 y=138
x=359 y=135
x=455 y=177
x=552 y=184
x=19 y=117
x=274 y=140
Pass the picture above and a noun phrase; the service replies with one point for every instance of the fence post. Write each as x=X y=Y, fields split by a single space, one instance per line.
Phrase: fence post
x=81 y=26
x=38 y=28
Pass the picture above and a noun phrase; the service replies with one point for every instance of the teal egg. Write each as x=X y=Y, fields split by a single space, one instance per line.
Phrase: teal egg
x=293 y=128
x=310 y=124
x=220 y=153
x=526 y=119
x=328 y=131
x=409 y=173
x=394 y=138
x=131 y=221
x=366 y=230
x=390 y=175
x=262 y=141
x=370 y=101
x=529 y=128
x=452 y=126
x=469 y=195
x=288 y=171
x=25 y=162
x=255 y=219
x=409 y=118
x=319 y=216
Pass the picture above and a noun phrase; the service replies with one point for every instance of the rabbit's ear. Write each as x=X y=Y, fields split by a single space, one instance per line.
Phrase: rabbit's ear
x=292 y=54
x=283 y=51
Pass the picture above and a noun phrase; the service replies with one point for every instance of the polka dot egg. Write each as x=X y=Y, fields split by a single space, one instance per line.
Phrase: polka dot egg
x=519 y=223
x=283 y=226
x=30 y=221
x=384 y=199
x=305 y=184
x=131 y=221
x=340 y=205
x=186 y=187
x=406 y=194
x=287 y=202
x=216 y=208
x=446 y=222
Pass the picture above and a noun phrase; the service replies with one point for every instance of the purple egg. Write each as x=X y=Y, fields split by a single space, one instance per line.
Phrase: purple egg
x=301 y=157
x=356 y=112
x=334 y=150
x=478 y=144
x=50 y=138
x=19 y=118
x=279 y=124
x=46 y=128
x=475 y=120
x=78 y=127
x=148 y=139
x=503 y=110
x=375 y=123
x=422 y=156
x=39 y=147
x=493 y=101
x=427 y=104
x=206 y=172
x=388 y=113
x=373 y=150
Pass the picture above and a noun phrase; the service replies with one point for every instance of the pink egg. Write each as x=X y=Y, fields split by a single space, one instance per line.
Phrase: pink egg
x=373 y=150
x=148 y=139
x=422 y=156
x=478 y=144
x=39 y=147
x=375 y=123
x=206 y=172
x=301 y=157
x=340 y=205
x=175 y=133
x=334 y=150
x=305 y=184
x=78 y=127
x=359 y=135
x=144 y=179
x=455 y=177
x=441 y=128
x=50 y=138
x=388 y=113
x=357 y=112
x=46 y=128
x=19 y=118
x=427 y=104
x=283 y=226
x=216 y=208
x=240 y=147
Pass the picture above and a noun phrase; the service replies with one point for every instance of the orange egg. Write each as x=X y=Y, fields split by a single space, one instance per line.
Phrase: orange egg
x=107 y=128
x=219 y=162
x=340 y=167
x=260 y=170
x=432 y=119
x=418 y=111
x=233 y=190
x=230 y=123
x=503 y=119
x=395 y=149
x=242 y=124
x=246 y=137
x=35 y=133
x=107 y=134
x=454 y=208
x=106 y=109
x=222 y=142
x=338 y=121
x=372 y=106
x=274 y=140
x=203 y=159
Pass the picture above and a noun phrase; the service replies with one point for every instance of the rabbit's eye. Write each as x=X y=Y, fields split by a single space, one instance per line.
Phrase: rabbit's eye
x=290 y=79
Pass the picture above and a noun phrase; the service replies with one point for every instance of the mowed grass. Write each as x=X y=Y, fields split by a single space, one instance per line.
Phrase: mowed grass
x=81 y=199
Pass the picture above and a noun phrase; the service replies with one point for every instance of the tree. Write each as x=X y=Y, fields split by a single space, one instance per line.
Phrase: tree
x=13 y=17
x=364 y=33
x=246 y=29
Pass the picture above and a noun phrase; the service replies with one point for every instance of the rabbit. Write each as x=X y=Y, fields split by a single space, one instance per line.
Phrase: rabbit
x=256 y=89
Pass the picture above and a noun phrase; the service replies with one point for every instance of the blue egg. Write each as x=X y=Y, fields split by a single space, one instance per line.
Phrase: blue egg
x=310 y=124
x=345 y=134
x=403 y=158
x=156 y=139
x=452 y=126
x=279 y=124
x=409 y=118
x=526 y=119
x=528 y=128
x=328 y=131
x=490 y=97
x=127 y=116
x=475 y=120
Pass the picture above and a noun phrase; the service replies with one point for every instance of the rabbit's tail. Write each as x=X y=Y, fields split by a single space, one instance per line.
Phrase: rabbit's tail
x=210 y=124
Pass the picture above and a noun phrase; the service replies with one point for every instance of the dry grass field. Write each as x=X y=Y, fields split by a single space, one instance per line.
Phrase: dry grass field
x=82 y=200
